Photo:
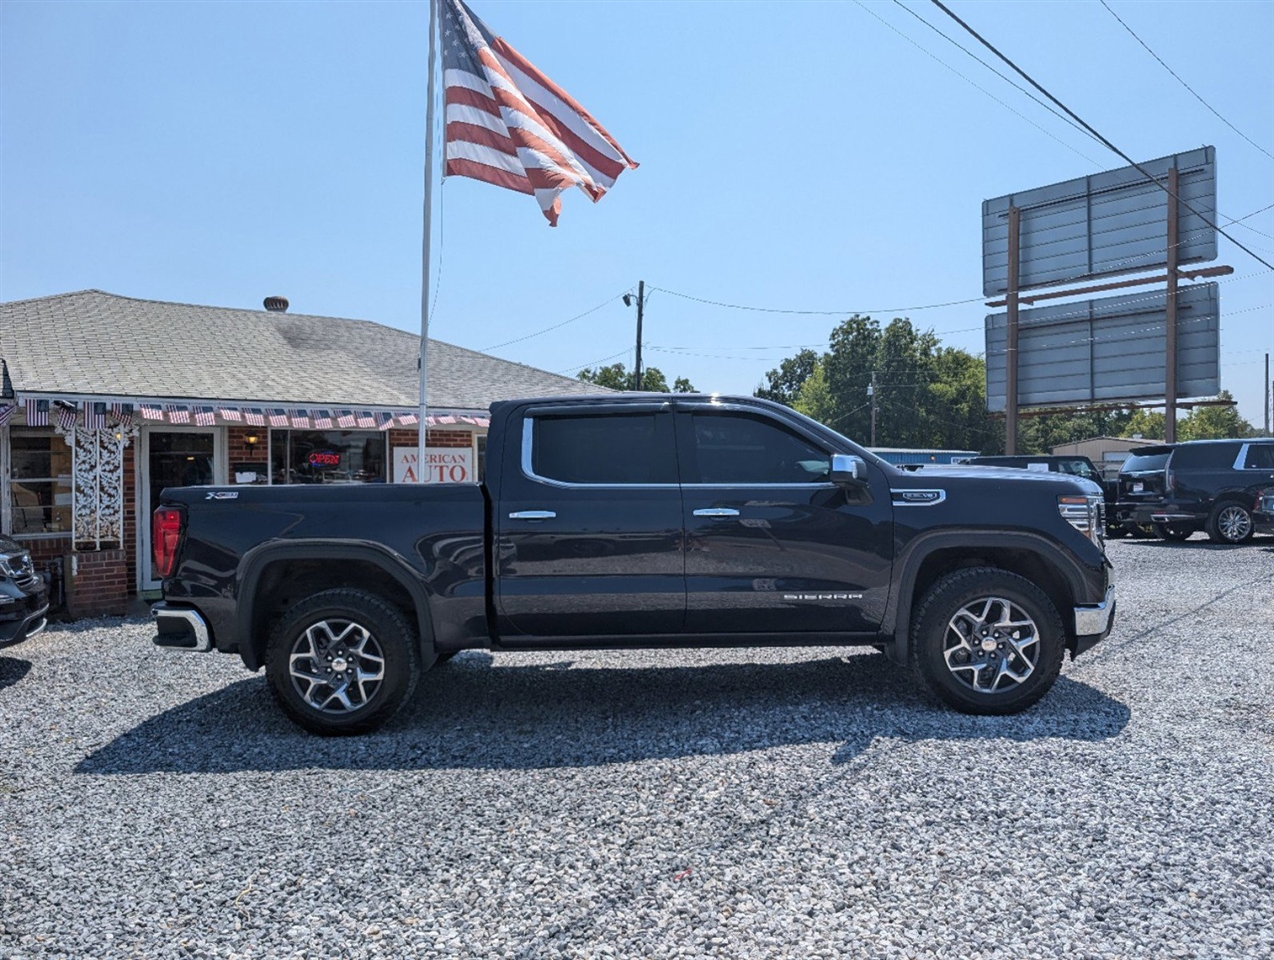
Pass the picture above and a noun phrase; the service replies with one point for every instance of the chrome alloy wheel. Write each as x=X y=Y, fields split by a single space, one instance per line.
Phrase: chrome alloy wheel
x=991 y=644
x=1234 y=523
x=336 y=666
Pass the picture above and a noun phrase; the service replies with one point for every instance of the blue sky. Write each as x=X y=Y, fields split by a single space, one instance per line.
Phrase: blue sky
x=793 y=155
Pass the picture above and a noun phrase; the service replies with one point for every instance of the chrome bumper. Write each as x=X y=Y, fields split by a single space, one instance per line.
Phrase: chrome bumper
x=1096 y=619
x=180 y=628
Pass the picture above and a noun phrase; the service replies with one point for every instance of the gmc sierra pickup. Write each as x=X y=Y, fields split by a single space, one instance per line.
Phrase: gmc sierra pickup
x=639 y=520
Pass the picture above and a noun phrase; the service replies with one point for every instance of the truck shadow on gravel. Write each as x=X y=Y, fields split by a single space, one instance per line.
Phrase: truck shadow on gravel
x=473 y=714
x=12 y=669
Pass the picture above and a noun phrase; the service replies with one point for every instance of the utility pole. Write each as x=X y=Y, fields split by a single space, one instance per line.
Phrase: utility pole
x=641 y=303
x=871 y=392
x=1267 y=395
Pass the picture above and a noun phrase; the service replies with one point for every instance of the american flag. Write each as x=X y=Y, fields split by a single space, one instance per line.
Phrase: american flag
x=323 y=419
x=408 y=419
x=365 y=419
x=6 y=412
x=510 y=125
x=178 y=414
x=254 y=417
x=66 y=416
x=300 y=419
x=95 y=416
x=37 y=413
x=446 y=418
x=230 y=414
x=278 y=417
x=384 y=420
x=205 y=416
x=123 y=413
x=152 y=411
x=345 y=418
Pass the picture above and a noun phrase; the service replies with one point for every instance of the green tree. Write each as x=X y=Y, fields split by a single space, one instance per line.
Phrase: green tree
x=784 y=384
x=1215 y=423
x=616 y=377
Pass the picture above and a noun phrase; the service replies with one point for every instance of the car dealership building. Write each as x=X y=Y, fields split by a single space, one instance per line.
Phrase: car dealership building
x=105 y=400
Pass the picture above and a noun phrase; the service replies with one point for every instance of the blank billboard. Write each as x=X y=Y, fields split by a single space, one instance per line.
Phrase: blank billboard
x=1102 y=225
x=1107 y=350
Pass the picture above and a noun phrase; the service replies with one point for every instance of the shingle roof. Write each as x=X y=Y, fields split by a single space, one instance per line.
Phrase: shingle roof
x=93 y=343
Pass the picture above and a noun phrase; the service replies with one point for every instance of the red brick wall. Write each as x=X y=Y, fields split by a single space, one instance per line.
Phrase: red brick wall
x=99 y=586
x=434 y=438
x=238 y=450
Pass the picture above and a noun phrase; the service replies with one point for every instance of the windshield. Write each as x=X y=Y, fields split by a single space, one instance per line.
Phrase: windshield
x=1079 y=468
x=1145 y=462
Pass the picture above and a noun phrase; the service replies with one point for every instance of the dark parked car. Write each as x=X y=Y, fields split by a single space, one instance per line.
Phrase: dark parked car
x=1076 y=467
x=24 y=596
x=1209 y=485
x=1263 y=516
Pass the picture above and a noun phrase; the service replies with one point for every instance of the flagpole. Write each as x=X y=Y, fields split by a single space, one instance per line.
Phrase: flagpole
x=422 y=429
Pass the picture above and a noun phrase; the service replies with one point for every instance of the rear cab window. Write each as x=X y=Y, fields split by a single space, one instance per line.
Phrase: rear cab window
x=1146 y=462
x=1260 y=456
x=1205 y=456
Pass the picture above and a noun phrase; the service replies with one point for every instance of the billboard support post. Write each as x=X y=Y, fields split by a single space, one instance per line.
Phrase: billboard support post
x=1170 y=334
x=1010 y=356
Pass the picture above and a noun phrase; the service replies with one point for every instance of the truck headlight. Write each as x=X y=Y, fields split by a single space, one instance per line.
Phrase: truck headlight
x=1084 y=513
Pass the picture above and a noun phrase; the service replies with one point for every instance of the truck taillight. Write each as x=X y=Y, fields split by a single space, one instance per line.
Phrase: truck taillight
x=165 y=539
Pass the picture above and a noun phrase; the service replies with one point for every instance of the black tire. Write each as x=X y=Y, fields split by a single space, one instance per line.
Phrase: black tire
x=951 y=680
x=1230 y=522
x=352 y=630
x=1165 y=532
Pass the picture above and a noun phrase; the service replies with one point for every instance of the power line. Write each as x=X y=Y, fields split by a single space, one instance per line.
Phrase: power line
x=1009 y=80
x=584 y=366
x=975 y=85
x=556 y=325
x=1179 y=80
x=1140 y=169
x=814 y=313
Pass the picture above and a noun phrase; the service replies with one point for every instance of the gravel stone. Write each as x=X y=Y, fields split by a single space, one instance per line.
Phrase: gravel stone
x=705 y=803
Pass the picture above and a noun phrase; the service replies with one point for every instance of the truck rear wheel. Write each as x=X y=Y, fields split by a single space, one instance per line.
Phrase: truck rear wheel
x=342 y=662
x=986 y=641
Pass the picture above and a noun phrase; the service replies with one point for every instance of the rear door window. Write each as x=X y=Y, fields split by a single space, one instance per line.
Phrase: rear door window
x=1205 y=456
x=607 y=448
x=1143 y=463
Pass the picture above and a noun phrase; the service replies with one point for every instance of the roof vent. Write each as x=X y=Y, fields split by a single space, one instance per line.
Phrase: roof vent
x=276 y=304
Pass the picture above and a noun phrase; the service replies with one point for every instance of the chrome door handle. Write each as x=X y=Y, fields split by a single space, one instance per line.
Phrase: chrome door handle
x=532 y=515
x=717 y=512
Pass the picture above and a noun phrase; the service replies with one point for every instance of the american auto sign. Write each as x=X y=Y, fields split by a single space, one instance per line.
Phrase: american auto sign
x=442 y=465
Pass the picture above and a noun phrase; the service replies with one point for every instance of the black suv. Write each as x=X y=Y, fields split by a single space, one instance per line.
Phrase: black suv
x=24 y=596
x=1210 y=485
x=1076 y=467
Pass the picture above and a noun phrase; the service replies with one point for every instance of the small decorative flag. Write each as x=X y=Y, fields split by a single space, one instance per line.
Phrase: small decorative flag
x=384 y=420
x=67 y=415
x=365 y=419
x=431 y=421
x=300 y=419
x=278 y=417
x=95 y=416
x=408 y=419
x=323 y=419
x=205 y=416
x=446 y=418
x=509 y=125
x=6 y=412
x=37 y=413
x=177 y=413
x=254 y=417
x=230 y=414
x=345 y=418
x=123 y=414
x=483 y=421
x=152 y=411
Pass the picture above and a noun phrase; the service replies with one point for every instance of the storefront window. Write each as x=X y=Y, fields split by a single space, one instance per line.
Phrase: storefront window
x=39 y=482
x=327 y=456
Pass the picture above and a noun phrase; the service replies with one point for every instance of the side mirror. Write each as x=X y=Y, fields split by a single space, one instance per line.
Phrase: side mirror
x=846 y=468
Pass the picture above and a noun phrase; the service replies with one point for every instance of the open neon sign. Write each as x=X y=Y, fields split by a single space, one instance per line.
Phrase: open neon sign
x=324 y=458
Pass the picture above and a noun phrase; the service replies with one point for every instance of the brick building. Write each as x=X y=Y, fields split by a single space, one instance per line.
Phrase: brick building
x=105 y=400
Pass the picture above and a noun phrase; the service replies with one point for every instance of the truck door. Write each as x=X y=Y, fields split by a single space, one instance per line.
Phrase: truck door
x=771 y=545
x=589 y=524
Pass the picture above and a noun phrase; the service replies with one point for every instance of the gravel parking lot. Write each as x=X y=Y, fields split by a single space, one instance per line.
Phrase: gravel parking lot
x=771 y=803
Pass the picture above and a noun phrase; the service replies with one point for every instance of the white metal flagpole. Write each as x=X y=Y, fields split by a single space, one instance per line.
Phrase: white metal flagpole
x=423 y=428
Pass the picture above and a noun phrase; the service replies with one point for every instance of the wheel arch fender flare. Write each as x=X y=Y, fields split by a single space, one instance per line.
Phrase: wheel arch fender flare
x=977 y=544
x=253 y=564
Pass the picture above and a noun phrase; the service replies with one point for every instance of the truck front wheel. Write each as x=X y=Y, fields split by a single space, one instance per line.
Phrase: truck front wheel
x=342 y=662
x=986 y=641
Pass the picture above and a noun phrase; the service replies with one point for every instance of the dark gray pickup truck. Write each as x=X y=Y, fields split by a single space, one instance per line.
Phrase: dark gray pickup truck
x=639 y=520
